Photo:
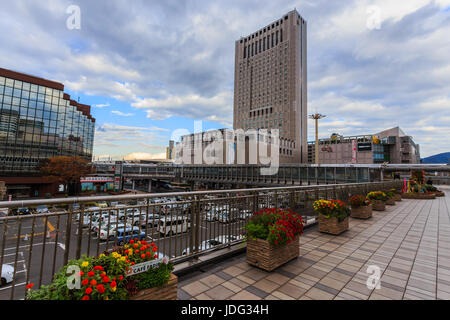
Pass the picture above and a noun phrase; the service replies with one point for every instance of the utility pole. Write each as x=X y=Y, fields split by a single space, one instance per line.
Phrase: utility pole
x=317 y=117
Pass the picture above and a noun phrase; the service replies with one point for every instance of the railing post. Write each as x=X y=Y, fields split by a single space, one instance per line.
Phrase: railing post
x=68 y=234
x=80 y=232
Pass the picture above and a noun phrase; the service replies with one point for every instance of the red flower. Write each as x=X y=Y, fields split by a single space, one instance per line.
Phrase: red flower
x=29 y=286
x=152 y=244
x=136 y=245
x=121 y=278
x=81 y=273
x=106 y=279
x=101 y=288
x=156 y=256
x=143 y=256
x=85 y=298
x=85 y=282
x=113 y=284
x=91 y=273
x=155 y=249
x=131 y=241
x=93 y=282
x=88 y=290
x=98 y=268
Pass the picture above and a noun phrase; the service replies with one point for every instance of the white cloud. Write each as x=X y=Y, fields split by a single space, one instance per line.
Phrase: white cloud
x=122 y=114
x=145 y=156
x=101 y=105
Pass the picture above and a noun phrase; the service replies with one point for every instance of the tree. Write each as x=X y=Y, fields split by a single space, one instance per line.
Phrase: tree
x=66 y=170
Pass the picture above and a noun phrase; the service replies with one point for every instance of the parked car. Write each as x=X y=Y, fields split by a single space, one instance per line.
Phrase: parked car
x=103 y=234
x=207 y=244
x=101 y=221
x=153 y=220
x=228 y=216
x=3 y=212
x=211 y=216
x=245 y=214
x=23 y=211
x=7 y=274
x=227 y=238
x=42 y=209
x=126 y=234
x=169 y=226
x=102 y=204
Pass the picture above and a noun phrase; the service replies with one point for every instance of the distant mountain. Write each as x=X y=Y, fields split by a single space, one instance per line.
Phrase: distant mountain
x=438 y=158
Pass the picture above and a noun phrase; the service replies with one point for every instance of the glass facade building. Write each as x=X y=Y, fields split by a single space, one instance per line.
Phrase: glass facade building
x=39 y=121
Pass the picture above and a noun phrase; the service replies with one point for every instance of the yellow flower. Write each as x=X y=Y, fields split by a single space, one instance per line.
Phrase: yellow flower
x=85 y=264
x=114 y=289
x=102 y=255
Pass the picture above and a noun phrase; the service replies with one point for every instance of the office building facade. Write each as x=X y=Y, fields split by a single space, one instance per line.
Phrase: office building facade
x=39 y=121
x=390 y=146
x=270 y=84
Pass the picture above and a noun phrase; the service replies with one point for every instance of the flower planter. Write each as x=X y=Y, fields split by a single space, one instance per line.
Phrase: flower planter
x=262 y=254
x=167 y=292
x=362 y=212
x=378 y=205
x=390 y=202
x=423 y=196
x=398 y=197
x=332 y=225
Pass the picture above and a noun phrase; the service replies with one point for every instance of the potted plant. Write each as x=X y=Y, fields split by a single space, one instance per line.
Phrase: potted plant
x=273 y=238
x=333 y=216
x=130 y=272
x=390 y=198
x=378 y=200
x=361 y=207
x=416 y=190
x=397 y=194
x=433 y=189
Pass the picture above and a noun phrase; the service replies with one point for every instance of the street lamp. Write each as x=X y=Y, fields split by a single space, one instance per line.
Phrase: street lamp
x=316 y=117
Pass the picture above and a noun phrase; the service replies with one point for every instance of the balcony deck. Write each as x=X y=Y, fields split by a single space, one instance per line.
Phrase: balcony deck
x=409 y=242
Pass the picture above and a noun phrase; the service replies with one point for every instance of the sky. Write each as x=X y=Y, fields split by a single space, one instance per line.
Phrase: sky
x=149 y=68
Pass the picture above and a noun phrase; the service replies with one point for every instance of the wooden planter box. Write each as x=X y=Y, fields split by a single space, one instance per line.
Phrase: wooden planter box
x=398 y=197
x=363 y=212
x=332 y=225
x=390 y=202
x=167 y=292
x=262 y=254
x=418 y=196
x=378 y=205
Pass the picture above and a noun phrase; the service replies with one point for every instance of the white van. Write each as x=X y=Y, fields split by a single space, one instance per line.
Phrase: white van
x=169 y=226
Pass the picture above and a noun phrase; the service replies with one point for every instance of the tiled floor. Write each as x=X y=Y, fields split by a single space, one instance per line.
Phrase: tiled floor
x=409 y=243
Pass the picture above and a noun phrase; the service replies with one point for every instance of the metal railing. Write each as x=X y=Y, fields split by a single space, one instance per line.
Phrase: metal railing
x=182 y=225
